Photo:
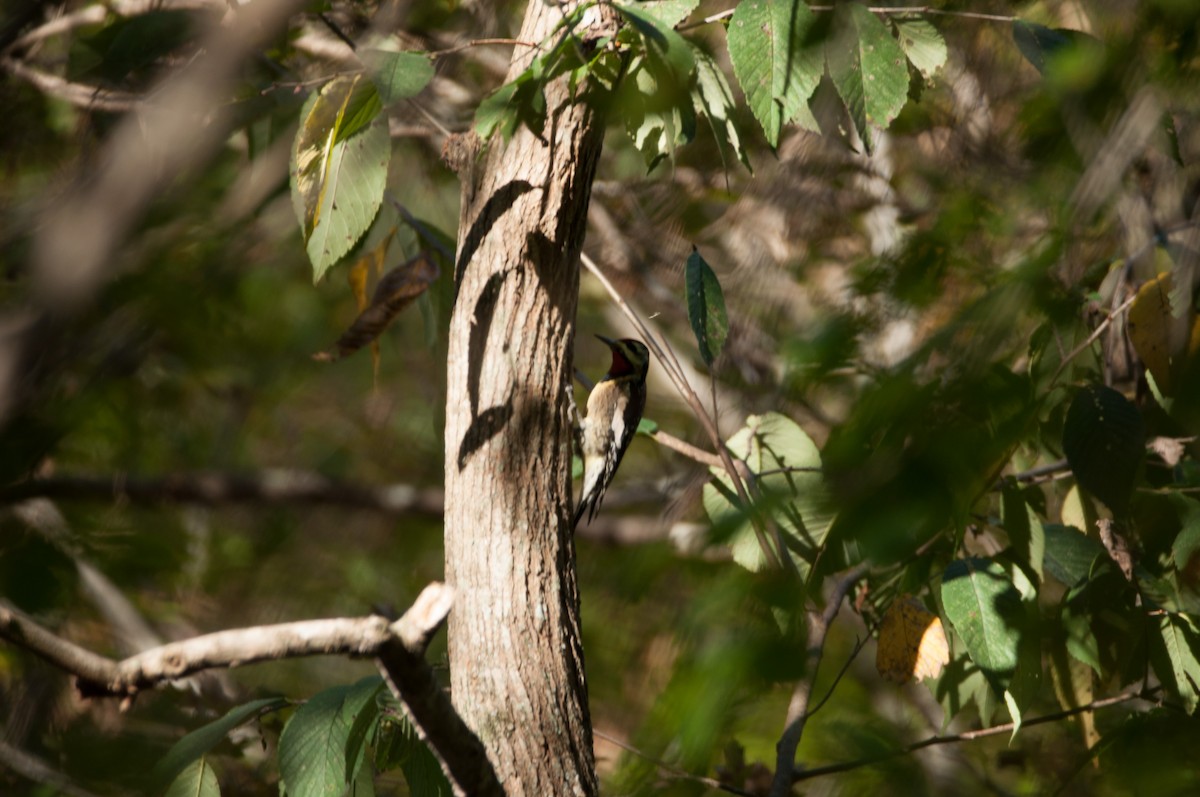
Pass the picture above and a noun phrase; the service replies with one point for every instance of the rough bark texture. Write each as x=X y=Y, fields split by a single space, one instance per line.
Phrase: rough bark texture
x=516 y=658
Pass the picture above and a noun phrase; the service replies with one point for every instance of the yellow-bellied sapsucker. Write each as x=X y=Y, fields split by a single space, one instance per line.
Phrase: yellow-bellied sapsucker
x=613 y=411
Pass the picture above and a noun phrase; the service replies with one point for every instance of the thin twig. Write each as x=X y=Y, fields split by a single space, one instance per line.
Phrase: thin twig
x=885 y=10
x=1096 y=333
x=481 y=43
x=711 y=783
x=968 y=736
x=666 y=356
x=798 y=713
x=858 y=648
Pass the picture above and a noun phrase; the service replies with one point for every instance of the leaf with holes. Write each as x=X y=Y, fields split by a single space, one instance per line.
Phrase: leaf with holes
x=776 y=60
x=921 y=42
x=868 y=67
x=339 y=168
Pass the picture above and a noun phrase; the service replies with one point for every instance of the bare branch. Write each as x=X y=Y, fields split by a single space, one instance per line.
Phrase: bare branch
x=798 y=713
x=399 y=647
x=99 y=676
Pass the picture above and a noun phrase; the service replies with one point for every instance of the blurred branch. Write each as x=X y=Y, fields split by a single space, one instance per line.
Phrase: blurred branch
x=674 y=772
x=798 y=713
x=272 y=487
x=968 y=736
x=96 y=13
x=887 y=10
x=1096 y=333
x=87 y=222
x=37 y=770
x=80 y=95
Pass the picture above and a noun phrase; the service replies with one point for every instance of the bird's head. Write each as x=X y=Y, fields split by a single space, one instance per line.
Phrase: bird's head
x=629 y=357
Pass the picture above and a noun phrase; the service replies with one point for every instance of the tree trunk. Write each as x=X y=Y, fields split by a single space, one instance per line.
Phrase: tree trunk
x=516 y=658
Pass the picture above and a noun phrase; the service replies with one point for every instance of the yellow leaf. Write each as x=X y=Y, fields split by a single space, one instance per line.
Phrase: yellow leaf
x=912 y=642
x=1164 y=343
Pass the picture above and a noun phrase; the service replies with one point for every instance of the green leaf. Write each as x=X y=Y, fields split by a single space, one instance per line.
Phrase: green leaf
x=922 y=44
x=868 y=67
x=656 y=95
x=362 y=706
x=197 y=743
x=316 y=745
x=706 y=307
x=198 y=779
x=1187 y=543
x=339 y=168
x=647 y=427
x=1024 y=528
x=775 y=59
x=667 y=13
x=399 y=745
x=797 y=498
x=1181 y=675
x=714 y=97
x=1071 y=555
x=397 y=75
x=1104 y=439
x=985 y=609
x=1040 y=44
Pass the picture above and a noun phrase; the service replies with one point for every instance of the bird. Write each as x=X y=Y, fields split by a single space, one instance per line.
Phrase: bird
x=614 y=408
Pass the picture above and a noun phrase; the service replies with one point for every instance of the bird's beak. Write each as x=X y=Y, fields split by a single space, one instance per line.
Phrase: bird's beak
x=611 y=343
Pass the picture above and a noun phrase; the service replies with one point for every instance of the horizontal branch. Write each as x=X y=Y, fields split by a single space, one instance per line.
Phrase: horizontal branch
x=272 y=487
x=99 y=676
x=968 y=736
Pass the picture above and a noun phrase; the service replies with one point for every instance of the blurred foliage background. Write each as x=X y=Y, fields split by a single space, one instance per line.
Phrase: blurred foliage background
x=920 y=311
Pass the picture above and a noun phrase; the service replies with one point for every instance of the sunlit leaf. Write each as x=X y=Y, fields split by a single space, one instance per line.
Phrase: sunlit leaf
x=912 y=642
x=667 y=13
x=868 y=67
x=922 y=43
x=656 y=98
x=984 y=608
x=198 y=779
x=775 y=59
x=1164 y=331
x=1181 y=644
x=339 y=168
x=314 y=745
x=713 y=95
x=792 y=490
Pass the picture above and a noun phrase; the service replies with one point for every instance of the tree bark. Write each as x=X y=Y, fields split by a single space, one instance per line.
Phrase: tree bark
x=516 y=658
